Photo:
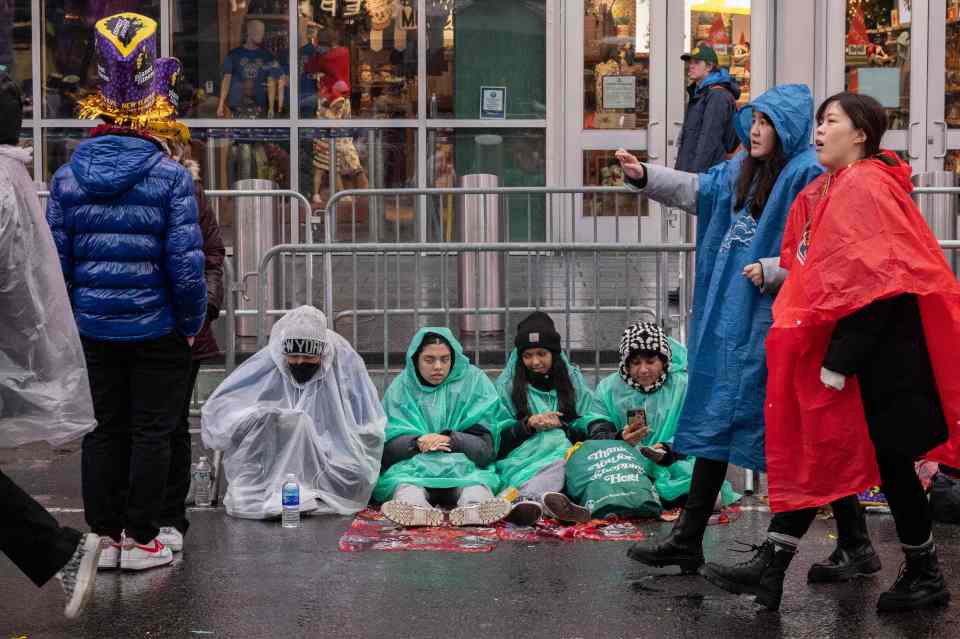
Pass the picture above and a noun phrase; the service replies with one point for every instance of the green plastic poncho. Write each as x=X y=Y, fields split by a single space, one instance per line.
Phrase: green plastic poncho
x=663 y=411
x=465 y=398
x=549 y=446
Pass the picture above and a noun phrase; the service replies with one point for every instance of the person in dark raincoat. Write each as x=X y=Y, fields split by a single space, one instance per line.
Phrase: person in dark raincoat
x=708 y=130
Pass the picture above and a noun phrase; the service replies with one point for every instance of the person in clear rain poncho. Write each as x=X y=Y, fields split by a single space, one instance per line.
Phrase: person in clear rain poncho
x=303 y=405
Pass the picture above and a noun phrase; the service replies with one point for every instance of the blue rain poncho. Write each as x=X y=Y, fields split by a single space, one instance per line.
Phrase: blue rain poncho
x=663 y=412
x=722 y=418
x=549 y=446
x=465 y=398
x=328 y=431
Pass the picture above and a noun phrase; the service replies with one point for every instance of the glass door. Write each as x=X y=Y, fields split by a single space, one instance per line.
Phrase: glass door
x=943 y=111
x=884 y=55
x=615 y=95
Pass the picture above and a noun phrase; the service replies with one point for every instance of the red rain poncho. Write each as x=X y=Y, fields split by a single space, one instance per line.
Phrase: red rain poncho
x=851 y=239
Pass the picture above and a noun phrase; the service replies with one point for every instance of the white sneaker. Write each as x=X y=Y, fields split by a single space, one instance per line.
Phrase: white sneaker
x=79 y=575
x=171 y=538
x=109 y=554
x=482 y=514
x=409 y=515
x=134 y=556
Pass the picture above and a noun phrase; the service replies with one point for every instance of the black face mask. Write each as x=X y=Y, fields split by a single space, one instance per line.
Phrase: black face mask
x=303 y=373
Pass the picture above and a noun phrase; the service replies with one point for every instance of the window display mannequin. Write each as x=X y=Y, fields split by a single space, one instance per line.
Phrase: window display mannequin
x=250 y=73
x=333 y=103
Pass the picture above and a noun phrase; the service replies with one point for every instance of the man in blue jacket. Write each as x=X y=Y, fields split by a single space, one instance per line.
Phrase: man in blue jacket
x=708 y=133
x=124 y=219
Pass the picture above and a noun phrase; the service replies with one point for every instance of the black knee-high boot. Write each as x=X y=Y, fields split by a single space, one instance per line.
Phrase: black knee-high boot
x=683 y=547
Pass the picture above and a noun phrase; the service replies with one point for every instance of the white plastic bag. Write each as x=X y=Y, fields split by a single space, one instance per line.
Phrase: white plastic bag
x=328 y=431
x=44 y=388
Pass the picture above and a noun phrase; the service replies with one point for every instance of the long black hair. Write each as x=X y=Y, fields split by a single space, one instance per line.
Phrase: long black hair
x=566 y=394
x=11 y=110
x=758 y=175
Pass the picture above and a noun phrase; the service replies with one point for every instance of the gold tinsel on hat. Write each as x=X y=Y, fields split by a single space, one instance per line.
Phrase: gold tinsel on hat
x=157 y=119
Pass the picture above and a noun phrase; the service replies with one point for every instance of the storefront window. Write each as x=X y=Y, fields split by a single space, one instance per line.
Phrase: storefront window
x=601 y=168
x=15 y=39
x=26 y=141
x=952 y=80
x=364 y=158
x=235 y=58
x=69 y=66
x=616 y=64
x=230 y=157
x=486 y=59
x=952 y=162
x=506 y=157
x=878 y=55
x=58 y=146
x=357 y=59
x=723 y=25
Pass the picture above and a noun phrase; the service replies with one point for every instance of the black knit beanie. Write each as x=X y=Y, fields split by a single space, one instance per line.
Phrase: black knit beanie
x=537 y=331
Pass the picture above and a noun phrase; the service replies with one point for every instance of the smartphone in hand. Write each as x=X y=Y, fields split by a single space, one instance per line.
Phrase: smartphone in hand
x=653 y=454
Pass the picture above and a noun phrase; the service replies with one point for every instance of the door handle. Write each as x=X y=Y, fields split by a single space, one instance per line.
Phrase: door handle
x=650 y=154
x=943 y=140
x=910 y=141
x=676 y=125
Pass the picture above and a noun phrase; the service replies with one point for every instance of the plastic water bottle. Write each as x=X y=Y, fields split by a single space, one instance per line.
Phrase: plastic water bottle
x=203 y=486
x=291 y=502
x=434 y=106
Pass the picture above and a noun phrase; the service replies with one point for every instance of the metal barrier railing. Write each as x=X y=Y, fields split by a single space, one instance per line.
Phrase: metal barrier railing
x=438 y=255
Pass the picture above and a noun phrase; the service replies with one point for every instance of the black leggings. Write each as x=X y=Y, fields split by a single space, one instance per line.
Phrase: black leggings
x=904 y=494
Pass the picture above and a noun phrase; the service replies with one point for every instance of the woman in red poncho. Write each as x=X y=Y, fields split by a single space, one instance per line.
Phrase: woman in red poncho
x=854 y=395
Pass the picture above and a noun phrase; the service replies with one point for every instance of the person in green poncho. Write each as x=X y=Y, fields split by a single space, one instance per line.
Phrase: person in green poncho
x=643 y=400
x=547 y=407
x=441 y=436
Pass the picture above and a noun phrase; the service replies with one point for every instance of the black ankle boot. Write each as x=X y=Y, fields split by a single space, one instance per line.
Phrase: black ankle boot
x=761 y=575
x=854 y=555
x=683 y=547
x=919 y=584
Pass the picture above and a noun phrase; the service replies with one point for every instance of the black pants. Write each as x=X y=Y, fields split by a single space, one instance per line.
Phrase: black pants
x=138 y=392
x=174 y=511
x=30 y=536
x=904 y=493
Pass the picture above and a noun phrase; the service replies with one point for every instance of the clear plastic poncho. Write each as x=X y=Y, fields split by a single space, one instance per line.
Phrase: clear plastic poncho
x=44 y=388
x=549 y=446
x=328 y=431
x=464 y=399
x=662 y=408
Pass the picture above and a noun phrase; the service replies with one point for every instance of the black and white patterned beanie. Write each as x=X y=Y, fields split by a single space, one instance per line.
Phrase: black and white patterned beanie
x=644 y=337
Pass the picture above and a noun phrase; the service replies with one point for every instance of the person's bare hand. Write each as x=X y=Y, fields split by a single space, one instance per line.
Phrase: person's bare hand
x=632 y=167
x=754 y=273
x=634 y=433
x=427 y=443
x=544 y=421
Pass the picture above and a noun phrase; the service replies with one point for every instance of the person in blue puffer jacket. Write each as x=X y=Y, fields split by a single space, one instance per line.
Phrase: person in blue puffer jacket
x=124 y=219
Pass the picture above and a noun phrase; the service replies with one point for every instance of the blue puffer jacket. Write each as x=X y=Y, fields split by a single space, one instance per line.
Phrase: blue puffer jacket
x=124 y=219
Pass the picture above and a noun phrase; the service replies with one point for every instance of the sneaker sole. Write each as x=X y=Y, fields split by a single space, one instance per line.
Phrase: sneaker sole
x=762 y=597
x=410 y=515
x=108 y=563
x=565 y=510
x=818 y=575
x=144 y=564
x=931 y=601
x=686 y=566
x=524 y=514
x=482 y=514
x=86 y=577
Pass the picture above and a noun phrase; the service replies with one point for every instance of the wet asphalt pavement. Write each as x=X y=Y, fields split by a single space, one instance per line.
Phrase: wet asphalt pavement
x=243 y=579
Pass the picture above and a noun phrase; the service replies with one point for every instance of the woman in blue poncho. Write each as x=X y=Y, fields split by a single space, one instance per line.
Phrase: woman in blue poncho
x=741 y=207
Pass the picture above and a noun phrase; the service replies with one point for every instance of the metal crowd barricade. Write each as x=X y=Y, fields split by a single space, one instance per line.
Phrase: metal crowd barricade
x=418 y=252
